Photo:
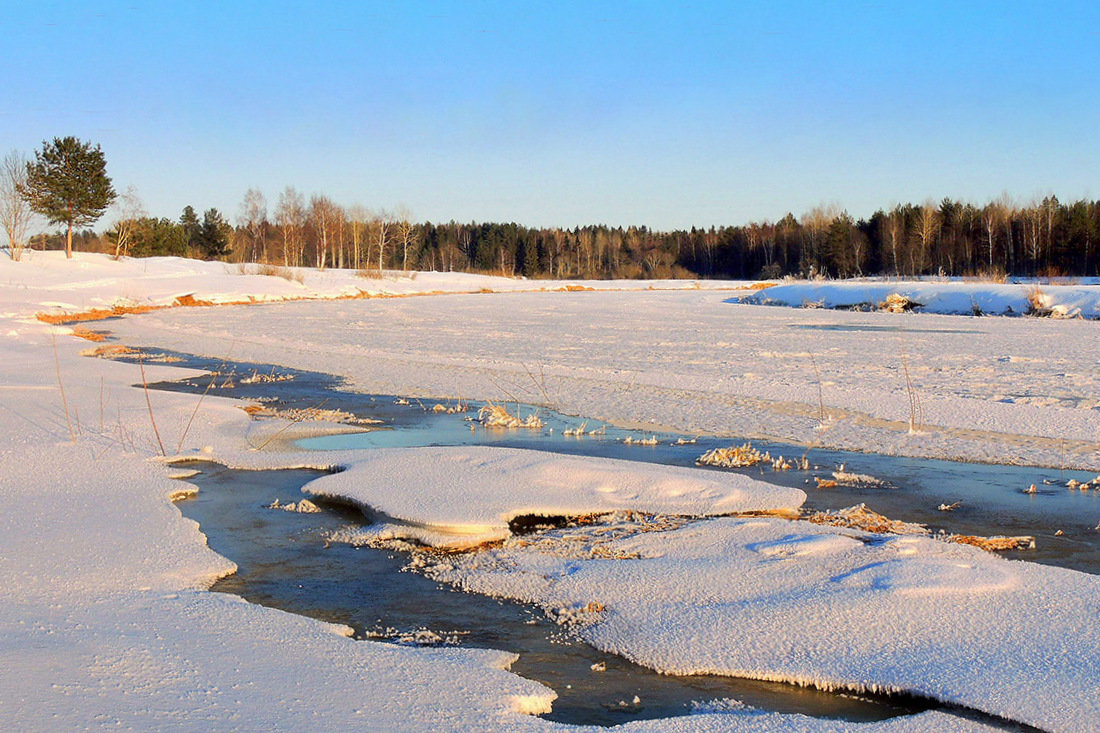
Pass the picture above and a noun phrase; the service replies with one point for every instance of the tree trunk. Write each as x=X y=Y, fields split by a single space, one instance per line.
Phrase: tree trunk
x=69 y=242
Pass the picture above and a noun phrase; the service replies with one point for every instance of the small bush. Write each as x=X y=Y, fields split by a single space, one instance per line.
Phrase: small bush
x=1038 y=302
x=992 y=275
x=245 y=268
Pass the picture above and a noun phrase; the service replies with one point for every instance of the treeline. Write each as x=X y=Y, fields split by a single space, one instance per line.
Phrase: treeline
x=1046 y=237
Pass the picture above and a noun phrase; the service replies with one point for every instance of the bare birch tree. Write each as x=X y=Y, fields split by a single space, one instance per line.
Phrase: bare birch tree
x=253 y=219
x=15 y=212
x=928 y=228
x=357 y=223
x=290 y=215
x=406 y=231
x=339 y=235
x=130 y=209
x=322 y=215
x=1008 y=213
x=991 y=215
x=815 y=224
x=383 y=226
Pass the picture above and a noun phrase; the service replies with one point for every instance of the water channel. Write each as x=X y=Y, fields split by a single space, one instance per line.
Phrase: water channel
x=285 y=562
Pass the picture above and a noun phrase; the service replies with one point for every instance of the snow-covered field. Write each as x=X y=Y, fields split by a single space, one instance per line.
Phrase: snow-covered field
x=105 y=623
x=1006 y=390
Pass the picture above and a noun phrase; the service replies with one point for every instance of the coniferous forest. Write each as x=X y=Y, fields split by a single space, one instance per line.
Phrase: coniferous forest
x=999 y=238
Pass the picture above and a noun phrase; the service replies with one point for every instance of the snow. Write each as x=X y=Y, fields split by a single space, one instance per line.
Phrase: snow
x=1003 y=390
x=793 y=601
x=48 y=283
x=105 y=620
x=943 y=297
x=467 y=495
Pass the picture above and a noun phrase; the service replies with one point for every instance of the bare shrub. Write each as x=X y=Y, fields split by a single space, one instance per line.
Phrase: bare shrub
x=285 y=273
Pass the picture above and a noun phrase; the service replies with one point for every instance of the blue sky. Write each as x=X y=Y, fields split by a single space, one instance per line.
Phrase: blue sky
x=662 y=114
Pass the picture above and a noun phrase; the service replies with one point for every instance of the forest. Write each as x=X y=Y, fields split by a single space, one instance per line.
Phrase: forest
x=1000 y=238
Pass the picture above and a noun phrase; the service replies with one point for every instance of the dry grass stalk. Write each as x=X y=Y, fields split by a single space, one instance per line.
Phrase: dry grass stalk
x=993 y=544
x=595 y=536
x=88 y=334
x=302 y=415
x=257 y=378
x=744 y=455
x=897 y=303
x=109 y=351
x=582 y=430
x=1073 y=484
x=577 y=615
x=860 y=517
x=820 y=395
x=315 y=414
x=1038 y=302
x=149 y=404
x=916 y=412
x=187 y=428
x=305 y=506
x=113 y=351
x=284 y=272
x=94 y=314
x=497 y=416
x=61 y=386
x=190 y=300
x=856 y=480
x=540 y=382
x=651 y=440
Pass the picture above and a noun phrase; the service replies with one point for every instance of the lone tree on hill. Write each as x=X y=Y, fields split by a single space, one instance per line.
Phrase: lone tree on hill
x=67 y=183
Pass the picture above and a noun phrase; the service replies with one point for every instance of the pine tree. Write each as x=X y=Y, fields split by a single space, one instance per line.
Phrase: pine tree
x=68 y=184
x=213 y=235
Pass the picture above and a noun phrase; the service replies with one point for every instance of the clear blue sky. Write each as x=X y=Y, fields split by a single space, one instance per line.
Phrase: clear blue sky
x=663 y=114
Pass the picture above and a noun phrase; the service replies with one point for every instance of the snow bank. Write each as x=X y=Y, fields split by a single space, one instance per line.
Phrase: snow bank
x=948 y=298
x=466 y=496
x=780 y=600
x=47 y=282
